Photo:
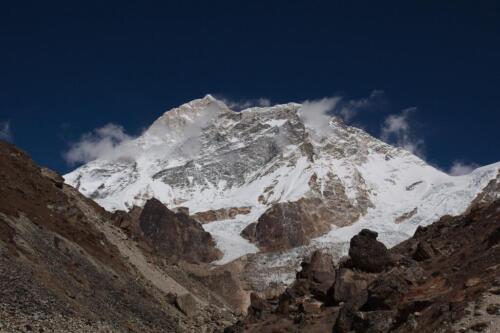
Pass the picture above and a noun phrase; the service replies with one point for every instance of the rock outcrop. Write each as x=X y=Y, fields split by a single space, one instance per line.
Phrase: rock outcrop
x=220 y=214
x=176 y=236
x=289 y=224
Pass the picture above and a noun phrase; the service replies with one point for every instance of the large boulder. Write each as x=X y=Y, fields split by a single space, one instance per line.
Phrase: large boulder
x=319 y=268
x=290 y=224
x=187 y=304
x=387 y=290
x=283 y=226
x=320 y=272
x=368 y=254
x=350 y=288
x=176 y=236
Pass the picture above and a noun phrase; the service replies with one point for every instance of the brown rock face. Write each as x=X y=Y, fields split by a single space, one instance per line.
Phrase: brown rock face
x=286 y=225
x=290 y=224
x=319 y=267
x=128 y=221
x=280 y=228
x=220 y=214
x=176 y=236
x=320 y=273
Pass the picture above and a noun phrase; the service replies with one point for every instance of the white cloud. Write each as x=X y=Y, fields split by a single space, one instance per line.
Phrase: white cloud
x=351 y=108
x=107 y=141
x=460 y=168
x=185 y=134
x=397 y=130
x=5 y=131
x=110 y=142
x=246 y=103
x=316 y=114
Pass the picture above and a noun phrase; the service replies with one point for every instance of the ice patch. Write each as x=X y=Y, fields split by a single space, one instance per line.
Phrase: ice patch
x=227 y=235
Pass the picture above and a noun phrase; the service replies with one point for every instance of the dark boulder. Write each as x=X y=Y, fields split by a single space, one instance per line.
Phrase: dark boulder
x=386 y=291
x=350 y=288
x=173 y=235
x=368 y=254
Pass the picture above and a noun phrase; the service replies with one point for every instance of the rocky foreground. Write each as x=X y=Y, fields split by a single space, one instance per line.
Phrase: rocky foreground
x=67 y=265
x=446 y=278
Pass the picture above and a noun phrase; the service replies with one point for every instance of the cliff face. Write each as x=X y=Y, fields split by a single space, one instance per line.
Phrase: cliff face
x=64 y=266
x=446 y=278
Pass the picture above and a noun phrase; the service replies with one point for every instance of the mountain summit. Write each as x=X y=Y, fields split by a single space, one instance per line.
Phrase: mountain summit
x=279 y=178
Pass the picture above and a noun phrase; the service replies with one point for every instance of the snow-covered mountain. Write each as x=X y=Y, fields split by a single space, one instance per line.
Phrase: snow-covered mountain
x=307 y=181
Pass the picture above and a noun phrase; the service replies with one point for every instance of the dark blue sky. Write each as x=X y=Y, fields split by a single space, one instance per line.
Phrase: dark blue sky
x=69 y=67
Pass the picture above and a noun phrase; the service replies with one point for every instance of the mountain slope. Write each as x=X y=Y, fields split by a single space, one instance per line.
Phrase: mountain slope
x=325 y=179
x=64 y=267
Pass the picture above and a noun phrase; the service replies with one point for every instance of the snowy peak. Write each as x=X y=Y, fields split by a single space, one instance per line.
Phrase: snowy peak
x=197 y=106
x=198 y=113
x=282 y=158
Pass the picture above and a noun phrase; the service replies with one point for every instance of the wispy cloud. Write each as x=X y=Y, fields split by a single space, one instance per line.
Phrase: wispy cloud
x=316 y=114
x=245 y=103
x=111 y=142
x=101 y=142
x=460 y=168
x=5 y=131
x=397 y=130
x=352 y=108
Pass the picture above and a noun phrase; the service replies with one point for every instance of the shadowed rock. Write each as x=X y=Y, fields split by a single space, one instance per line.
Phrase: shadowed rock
x=368 y=254
x=176 y=236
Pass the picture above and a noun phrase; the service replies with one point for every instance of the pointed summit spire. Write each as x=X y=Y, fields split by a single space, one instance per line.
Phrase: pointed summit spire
x=209 y=97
